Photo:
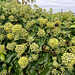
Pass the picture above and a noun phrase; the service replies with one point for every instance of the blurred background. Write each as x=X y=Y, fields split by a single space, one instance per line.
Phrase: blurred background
x=56 y=5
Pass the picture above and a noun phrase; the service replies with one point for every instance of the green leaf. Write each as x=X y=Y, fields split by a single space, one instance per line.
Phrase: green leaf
x=4 y=52
x=16 y=64
x=44 y=58
x=68 y=72
x=73 y=26
x=2 y=57
x=16 y=68
x=32 y=72
x=35 y=66
x=32 y=34
x=45 y=71
x=9 y=57
x=52 y=16
x=9 y=69
x=42 y=41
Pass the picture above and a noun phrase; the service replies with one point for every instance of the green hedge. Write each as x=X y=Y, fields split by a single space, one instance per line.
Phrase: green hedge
x=36 y=42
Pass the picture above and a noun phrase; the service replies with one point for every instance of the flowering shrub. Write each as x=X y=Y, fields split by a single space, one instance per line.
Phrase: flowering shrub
x=36 y=42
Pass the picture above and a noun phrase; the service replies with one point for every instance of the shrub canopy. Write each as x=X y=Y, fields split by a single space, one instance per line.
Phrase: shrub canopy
x=36 y=42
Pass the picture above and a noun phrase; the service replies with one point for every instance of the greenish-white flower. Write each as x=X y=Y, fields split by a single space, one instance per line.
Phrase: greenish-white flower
x=34 y=47
x=2 y=48
x=41 y=33
x=53 y=43
x=20 y=49
x=17 y=28
x=10 y=36
x=23 y=62
x=8 y=27
x=11 y=46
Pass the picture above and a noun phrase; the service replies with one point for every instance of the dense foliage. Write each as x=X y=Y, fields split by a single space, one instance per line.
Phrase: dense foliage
x=36 y=42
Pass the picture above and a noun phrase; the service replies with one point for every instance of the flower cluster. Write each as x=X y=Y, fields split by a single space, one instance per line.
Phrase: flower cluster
x=2 y=37
x=72 y=49
x=42 y=22
x=36 y=14
x=56 y=31
x=62 y=69
x=65 y=15
x=50 y=24
x=64 y=32
x=16 y=37
x=17 y=28
x=62 y=42
x=33 y=57
x=47 y=48
x=30 y=39
x=54 y=72
x=10 y=8
x=4 y=72
x=54 y=58
x=23 y=33
x=11 y=18
x=63 y=50
x=8 y=27
x=57 y=51
x=41 y=33
x=20 y=49
x=53 y=42
x=2 y=48
x=70 y=68
x=34 y=47
x=11 y=46
x=20 y=33
x=30 y=24
x=10 y=36
x=23 y=62
x=55 y=63
x=2 y=17
x=55 y=18
x=14 y=10
x=58 y=23
x=23 y=9
x=69 y=60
